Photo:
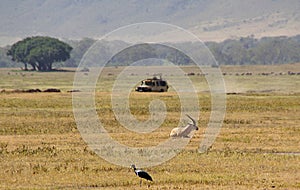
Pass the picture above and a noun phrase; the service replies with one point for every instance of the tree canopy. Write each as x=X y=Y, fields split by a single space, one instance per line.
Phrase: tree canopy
x=40 y=52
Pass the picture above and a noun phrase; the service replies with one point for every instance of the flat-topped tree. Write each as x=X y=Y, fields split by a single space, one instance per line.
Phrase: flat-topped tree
x=40 y=52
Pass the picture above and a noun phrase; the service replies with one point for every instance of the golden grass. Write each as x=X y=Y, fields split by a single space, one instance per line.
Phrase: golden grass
x=41 y=148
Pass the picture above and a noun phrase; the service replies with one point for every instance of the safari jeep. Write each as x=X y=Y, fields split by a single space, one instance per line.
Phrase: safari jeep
x=153 y=85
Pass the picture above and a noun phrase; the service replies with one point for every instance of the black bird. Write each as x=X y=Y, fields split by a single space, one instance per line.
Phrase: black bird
x=141 y=174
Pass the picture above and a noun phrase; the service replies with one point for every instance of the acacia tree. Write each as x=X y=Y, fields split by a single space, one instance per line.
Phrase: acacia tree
x=40 y=52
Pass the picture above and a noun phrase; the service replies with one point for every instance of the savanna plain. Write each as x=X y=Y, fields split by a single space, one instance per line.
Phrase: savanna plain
x=258 y=146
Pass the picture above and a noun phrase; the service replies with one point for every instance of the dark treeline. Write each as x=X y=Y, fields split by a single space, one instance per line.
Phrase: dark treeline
x=147 y=51
x=248 y=50
x=243 y=51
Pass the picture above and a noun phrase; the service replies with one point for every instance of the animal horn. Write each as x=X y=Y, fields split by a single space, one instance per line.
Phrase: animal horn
x=194 y=122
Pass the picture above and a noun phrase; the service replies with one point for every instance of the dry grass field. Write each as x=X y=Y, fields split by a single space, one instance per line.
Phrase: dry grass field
x=258 y=146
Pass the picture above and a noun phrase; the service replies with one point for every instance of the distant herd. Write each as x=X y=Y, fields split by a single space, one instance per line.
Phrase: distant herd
x=249 y=73
x=31 y=90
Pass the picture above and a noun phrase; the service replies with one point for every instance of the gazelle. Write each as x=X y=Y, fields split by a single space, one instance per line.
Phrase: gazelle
x=184 y=131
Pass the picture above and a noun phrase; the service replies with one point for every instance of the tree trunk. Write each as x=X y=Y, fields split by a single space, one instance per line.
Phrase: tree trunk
x=26 y=68
x=50 y=66
x=33 y=65
x=41 y=67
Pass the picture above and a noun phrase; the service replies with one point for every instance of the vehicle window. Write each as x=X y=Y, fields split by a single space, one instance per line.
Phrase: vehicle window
x=149 y=83
x=163 y=83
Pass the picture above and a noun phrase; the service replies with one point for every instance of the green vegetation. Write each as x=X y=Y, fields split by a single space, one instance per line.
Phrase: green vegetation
x=265 y=51
x=258 y=147
x=243 y=51
x=39 y=52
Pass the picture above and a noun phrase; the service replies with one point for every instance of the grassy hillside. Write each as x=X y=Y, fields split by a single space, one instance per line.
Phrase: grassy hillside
x=214 y=20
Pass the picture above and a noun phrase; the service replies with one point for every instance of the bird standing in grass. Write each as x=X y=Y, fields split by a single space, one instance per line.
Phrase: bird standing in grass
x=141 y=174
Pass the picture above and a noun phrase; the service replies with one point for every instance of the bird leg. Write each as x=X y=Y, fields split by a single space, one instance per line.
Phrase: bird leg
x=141 y=183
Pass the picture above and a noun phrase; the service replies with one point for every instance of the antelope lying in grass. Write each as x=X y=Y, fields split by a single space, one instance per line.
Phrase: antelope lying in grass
x=184 y=131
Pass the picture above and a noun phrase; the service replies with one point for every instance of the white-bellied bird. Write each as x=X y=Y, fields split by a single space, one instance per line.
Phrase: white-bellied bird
x=141 y=174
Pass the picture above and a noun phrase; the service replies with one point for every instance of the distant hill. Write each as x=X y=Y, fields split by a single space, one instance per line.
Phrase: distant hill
x=211 y=20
